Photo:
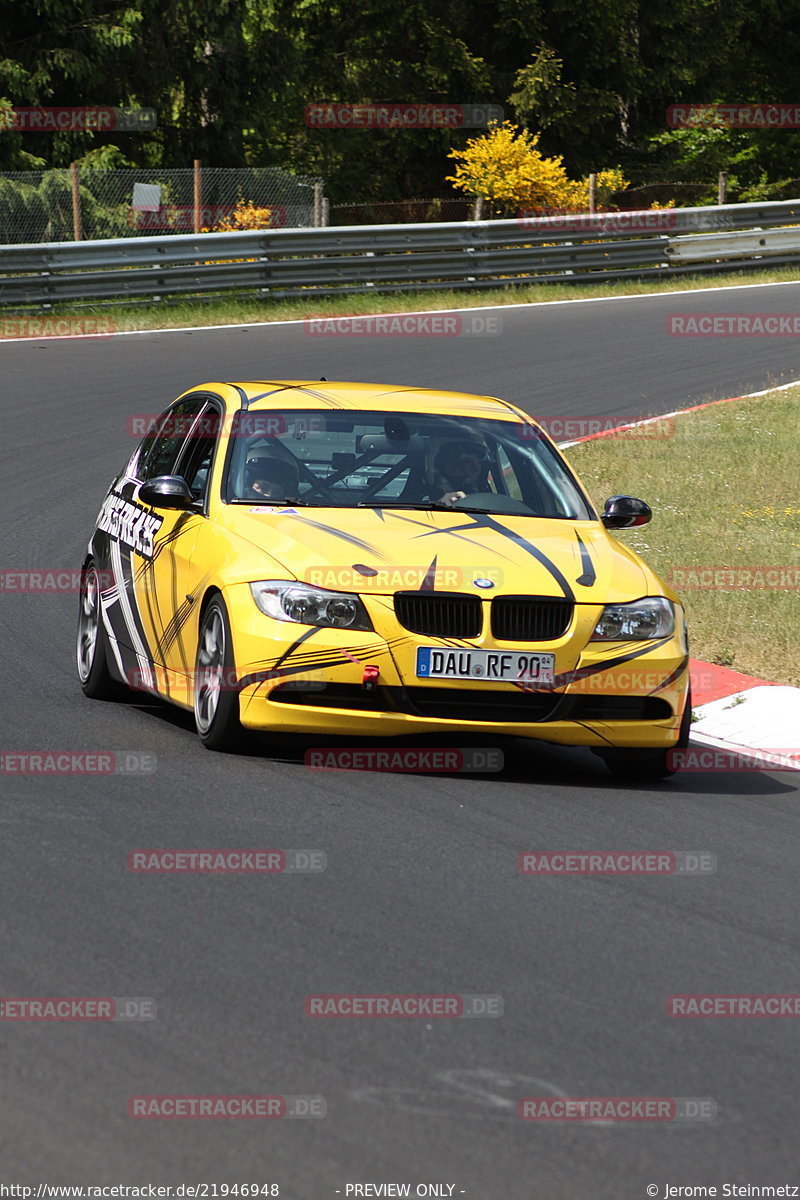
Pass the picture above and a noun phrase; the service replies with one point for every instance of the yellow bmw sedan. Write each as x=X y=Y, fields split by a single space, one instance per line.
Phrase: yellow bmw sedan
x=374 y=560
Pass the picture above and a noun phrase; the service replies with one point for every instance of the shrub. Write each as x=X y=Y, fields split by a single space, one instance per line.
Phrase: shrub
x=506 y=167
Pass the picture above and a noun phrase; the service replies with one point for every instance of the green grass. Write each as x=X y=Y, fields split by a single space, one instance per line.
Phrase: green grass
x=724 y=493
x=248 y=310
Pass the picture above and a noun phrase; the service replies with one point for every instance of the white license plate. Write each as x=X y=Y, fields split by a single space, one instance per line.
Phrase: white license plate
x=485 y=665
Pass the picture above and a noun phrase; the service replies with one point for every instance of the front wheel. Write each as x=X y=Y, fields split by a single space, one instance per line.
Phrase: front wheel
x=649 y=764
x=96 y=680
x=216 y=700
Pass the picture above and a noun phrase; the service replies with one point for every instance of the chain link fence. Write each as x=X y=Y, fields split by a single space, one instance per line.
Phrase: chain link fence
x=396 y=212
x=85 y=202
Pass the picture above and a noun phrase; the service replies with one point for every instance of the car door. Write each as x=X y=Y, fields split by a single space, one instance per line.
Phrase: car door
x=180 y=578
x=148 y=549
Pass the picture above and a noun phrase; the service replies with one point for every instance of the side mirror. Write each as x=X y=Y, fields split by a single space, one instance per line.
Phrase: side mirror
x=625 y=512
x=166 y=491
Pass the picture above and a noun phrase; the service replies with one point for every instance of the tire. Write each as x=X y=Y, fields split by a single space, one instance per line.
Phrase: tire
x=95 y=678
x=649 y=764
x=216 y=707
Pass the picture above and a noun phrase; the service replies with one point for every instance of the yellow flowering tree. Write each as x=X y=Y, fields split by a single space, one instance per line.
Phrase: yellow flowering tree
x=576 y=194
x=243 y=216
x=506 y=167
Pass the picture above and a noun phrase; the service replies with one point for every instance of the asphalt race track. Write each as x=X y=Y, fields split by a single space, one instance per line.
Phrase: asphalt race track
x=421 y=892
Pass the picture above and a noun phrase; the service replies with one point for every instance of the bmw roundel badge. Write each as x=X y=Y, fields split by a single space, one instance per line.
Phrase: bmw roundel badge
x=483 y=583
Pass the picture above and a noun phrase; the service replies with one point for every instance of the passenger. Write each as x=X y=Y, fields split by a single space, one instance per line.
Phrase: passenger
x=271 y=479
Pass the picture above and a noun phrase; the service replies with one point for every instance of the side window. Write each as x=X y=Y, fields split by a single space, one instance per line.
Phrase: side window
x=194 y=462
x=510 y=479
x=136 y=466
x=160 y=456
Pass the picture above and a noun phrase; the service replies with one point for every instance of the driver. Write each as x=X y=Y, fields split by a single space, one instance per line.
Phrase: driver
x=459 y=468
x=271 y=479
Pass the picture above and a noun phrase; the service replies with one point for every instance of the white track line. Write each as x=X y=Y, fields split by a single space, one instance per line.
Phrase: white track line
x=679 y=412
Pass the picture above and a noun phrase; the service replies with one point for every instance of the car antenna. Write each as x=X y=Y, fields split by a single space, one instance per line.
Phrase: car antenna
x=323 y=378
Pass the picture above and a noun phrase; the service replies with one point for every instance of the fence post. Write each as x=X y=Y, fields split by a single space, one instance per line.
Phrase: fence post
x=593 y=192
x=77 y=231
x=477 y=209
x=722 y=188
x=198 y=193
x=326 y=211
x=317 y=220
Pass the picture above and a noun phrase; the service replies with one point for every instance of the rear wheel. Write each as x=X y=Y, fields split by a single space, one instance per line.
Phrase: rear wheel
x=649 y=764
x=216 y=701
x=96 y=680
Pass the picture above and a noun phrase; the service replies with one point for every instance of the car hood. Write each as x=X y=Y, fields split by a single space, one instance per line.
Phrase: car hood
x=382 y=551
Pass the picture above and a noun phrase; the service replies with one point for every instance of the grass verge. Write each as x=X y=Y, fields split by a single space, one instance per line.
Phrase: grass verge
x=233 y=310
x=724 y=493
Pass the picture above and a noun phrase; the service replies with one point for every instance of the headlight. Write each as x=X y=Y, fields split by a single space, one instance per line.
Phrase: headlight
x=653 y=617
x=309 y=605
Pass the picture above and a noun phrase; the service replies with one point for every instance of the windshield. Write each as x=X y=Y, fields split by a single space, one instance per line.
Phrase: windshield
x=391 y=460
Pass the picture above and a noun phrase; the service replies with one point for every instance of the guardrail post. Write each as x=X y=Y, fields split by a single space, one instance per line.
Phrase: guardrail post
x=477 y=209
x=722 y=188
x=317 y=216
x=77 y=230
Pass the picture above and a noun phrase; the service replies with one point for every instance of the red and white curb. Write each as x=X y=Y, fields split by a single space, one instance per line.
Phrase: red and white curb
x=740 y=713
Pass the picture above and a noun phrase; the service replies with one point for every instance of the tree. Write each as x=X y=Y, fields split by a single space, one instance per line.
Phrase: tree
x=63 y=52
x=507 y=168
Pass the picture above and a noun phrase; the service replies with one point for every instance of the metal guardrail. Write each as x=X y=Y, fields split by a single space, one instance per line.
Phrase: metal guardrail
x=332 y=261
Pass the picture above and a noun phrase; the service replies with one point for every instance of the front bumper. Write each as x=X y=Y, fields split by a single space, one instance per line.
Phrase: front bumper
x=302 y=679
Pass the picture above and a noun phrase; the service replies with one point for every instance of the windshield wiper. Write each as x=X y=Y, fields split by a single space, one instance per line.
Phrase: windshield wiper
x=268 y=500
x=424 y=506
